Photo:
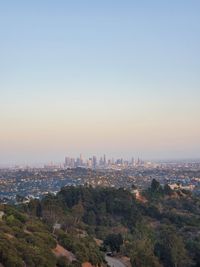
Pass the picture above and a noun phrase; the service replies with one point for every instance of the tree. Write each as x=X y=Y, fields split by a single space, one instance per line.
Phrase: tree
x=133 y=187
x=62 y=262
x=78 y=211
x=142 y=254
x=68 y=222
x=168 y=190
x=114 y=241
x=90 y=218
x=170 y=248
x=155 y=186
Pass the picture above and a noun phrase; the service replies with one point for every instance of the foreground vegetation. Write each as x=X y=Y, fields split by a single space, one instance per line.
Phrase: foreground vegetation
x=163 y=230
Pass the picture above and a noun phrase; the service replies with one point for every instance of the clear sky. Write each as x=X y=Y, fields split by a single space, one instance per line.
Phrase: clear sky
x=114 y=77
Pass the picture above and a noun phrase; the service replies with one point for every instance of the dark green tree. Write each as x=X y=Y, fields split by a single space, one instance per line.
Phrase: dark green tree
x=155 y=186
x=142 y=254
x=114 y=241
x=170 y=248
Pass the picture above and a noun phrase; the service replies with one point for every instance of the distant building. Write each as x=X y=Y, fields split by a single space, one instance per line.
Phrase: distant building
x=94 y=162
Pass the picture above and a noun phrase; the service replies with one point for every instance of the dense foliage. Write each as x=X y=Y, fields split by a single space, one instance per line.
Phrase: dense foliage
x=24 y=240
x=160 y=229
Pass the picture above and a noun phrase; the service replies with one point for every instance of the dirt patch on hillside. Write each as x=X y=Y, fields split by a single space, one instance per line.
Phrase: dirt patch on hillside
x=61 y=251
x=87 y=264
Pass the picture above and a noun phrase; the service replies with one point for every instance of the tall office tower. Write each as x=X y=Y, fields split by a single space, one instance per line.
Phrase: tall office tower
x=89 y=163
x=104 y=160
x=94 y=162
x=101 y=163
x=118 y=161
x=67 y=162
x=81 y=160
x=78 y=162
x=133 y=161
x=72 y=163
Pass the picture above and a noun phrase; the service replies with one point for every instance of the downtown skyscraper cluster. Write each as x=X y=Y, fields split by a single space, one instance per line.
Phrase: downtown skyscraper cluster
x=102 y=162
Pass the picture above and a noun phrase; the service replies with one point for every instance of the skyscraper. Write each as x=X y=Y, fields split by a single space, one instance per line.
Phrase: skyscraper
x=104 y=160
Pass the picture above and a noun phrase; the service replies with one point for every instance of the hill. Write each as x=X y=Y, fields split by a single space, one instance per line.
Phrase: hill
x=163 y=230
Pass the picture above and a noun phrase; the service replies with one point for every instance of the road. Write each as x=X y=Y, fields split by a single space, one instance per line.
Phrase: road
x=113 y=262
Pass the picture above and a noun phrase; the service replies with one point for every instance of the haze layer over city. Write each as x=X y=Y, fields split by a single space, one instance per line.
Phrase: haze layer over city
x=113 y=77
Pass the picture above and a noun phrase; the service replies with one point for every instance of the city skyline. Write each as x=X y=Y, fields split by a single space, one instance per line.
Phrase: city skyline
x=101 y=161
x=99 y=77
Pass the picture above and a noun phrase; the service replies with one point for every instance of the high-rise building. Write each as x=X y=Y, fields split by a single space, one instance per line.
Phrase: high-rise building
x=67 y=161
x=101 y=163
x=133 y=161
x=104 y=160
x=81 y=160
x=94 y=162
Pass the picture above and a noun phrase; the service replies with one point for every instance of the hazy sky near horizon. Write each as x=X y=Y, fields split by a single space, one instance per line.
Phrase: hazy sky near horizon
x=92 y=77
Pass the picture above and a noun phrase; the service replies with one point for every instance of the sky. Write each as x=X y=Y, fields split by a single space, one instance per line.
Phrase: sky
x=94 y=77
